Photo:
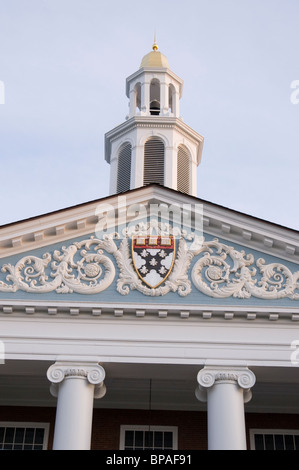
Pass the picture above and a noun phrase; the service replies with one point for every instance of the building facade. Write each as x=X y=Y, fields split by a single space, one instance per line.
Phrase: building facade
x=149 y=319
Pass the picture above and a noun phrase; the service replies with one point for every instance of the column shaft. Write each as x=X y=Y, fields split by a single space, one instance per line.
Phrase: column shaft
x=74 y=414
x=145 y=98
x=226 y=419
x=226 y=390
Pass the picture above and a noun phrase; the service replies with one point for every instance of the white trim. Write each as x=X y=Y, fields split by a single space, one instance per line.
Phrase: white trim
x=284 y=432
x=124 y=428
x=186 y=312
x=29 y=425
x=218 y=221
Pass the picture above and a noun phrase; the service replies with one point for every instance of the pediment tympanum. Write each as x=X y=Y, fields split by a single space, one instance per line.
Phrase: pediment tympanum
x=152 y=264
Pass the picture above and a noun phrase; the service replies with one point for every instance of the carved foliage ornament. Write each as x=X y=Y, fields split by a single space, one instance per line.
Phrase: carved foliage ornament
x=87 y=267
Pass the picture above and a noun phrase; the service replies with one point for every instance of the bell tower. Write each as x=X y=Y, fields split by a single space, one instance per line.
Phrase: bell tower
x=153 y=145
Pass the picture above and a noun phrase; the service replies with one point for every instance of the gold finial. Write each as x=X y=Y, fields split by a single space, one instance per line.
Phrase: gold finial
x=155 y=45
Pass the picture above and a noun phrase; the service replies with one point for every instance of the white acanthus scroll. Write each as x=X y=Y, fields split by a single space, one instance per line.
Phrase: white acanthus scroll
x=89 y=267
x=221 y=271
x=71 y=270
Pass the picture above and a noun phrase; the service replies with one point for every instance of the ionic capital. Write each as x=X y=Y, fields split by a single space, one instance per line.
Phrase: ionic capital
x=211 y=376
x=92 y=372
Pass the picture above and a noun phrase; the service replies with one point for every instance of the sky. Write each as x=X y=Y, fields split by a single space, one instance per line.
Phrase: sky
x=63 y=66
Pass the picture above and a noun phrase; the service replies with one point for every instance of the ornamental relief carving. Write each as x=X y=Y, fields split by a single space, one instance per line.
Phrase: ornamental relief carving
x=154 y=262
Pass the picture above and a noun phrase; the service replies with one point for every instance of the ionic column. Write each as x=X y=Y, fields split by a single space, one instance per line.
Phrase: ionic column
x=225 y=390
x=76 y=385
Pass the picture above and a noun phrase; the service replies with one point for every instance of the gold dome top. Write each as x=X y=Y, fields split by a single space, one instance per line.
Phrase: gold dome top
x=155 y=59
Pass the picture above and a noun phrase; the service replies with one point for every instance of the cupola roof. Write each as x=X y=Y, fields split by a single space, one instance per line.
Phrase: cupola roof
x=155 y=59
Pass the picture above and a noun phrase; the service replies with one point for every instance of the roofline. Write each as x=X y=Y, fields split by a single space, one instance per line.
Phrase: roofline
x=202 y=201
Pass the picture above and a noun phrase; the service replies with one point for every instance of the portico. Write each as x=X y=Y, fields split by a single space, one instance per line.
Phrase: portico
x=147 y=363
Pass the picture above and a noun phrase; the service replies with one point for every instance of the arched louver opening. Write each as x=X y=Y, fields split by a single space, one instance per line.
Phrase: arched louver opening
x=153 y=162
x=124 y=168
x=183 y=175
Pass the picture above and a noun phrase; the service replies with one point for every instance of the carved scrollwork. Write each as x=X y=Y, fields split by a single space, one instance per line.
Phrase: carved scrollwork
x=221 y=271
x=88 y=271
x=85 y=267
x=211 y=376
x=93 y=373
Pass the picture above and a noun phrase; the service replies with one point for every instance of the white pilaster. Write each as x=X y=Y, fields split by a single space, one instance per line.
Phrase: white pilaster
x=132 y=102
x=164 y=98
x=76 y=385
x=145 y=98
x=225 y=390
x=170 y=168
x=137 y=169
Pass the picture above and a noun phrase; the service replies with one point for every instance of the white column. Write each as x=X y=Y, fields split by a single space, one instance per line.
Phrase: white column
x=225 y=390
x=164 y=99
x=132 y=111
x=145 y=99
x=176 y=105
x=193 y=177
x=76 y=385
x=137 y=166
x=113 y=173
x=170 y=168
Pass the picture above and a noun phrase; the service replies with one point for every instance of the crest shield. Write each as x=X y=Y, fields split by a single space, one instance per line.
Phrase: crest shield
x=153 y=258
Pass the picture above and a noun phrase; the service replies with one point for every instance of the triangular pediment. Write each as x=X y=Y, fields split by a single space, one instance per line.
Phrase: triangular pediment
x=88 y=255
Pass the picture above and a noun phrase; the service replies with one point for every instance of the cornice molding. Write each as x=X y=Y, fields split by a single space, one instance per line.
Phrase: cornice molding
x=218 y=221
x=152 y=123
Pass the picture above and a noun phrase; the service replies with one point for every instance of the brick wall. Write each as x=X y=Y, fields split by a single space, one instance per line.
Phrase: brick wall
x=192 y=426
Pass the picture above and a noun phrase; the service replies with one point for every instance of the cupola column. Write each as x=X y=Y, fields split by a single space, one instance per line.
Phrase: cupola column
x=225 y=390
x=132 y=111
x=137 y=166
x=145 y=98
x=164 y=99
x=176 y=104
x=170 y=177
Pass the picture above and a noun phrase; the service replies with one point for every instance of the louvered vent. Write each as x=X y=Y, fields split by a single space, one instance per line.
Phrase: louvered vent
x=124 y=168
x=153 y=162
x=183 y=182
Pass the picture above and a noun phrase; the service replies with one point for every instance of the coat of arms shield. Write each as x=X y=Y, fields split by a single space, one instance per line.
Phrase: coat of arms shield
x=153 y=258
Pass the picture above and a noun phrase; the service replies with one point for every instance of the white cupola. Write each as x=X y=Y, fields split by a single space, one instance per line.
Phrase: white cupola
x=153 y=145
x=154 y=90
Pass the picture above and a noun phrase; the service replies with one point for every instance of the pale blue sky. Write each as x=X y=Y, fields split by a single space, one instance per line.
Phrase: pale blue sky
x=64 y=65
